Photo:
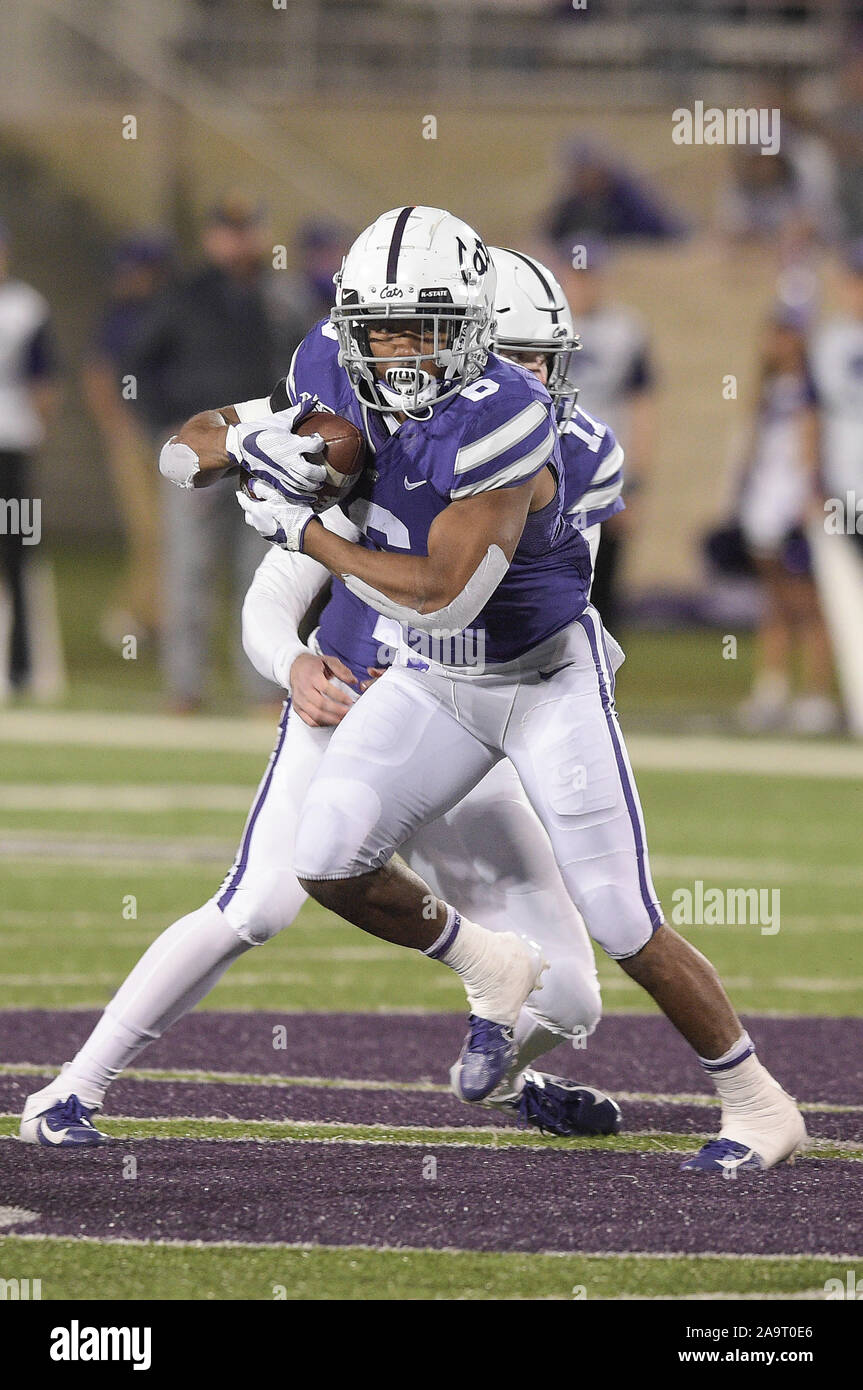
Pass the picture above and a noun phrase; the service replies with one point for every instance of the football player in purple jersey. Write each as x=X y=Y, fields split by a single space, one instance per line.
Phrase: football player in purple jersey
x=489 y=852
x=462 y=528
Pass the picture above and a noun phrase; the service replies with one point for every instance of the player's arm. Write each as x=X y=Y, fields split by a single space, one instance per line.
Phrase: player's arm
x=470 y=547
x=253 y=437
x=284 y=586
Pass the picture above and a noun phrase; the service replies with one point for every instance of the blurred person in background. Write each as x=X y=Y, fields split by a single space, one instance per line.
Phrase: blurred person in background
x=616 y=382
x=307 y=293
x=601 y=199
x=140 y=270
x=843 y=128
x=29 y=398
x=218 y=333
x=775 y=499
x=791 y=197
x=837 y=368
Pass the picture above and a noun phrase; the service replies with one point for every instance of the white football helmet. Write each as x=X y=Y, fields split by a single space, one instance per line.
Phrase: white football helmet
x=423 y=265
x=532 y=315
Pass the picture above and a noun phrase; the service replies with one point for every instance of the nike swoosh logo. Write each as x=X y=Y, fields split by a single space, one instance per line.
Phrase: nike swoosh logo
x=410 y=486
x=54 y=1136
x=730 y=1163
x=547 y=675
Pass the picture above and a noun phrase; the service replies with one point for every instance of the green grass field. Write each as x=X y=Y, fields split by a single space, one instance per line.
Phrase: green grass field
x=114 y=825
x=89 y=829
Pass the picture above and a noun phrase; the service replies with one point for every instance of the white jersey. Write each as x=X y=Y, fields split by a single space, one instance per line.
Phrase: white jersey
x=612 y=366
x=837 y=368
x=23 y=316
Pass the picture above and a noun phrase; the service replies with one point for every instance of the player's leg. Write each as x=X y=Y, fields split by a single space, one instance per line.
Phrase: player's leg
x=566 y=744
x=258 y=898
x=195 y=531
x=13 y=556
x=400 y=758
x=248 y=552
x=491 y=855
x=814 y=710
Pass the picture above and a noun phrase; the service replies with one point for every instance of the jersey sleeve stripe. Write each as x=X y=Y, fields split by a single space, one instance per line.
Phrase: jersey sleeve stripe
x=505 y=437
x=613 y=483
x=517 y=472
x=612 y=463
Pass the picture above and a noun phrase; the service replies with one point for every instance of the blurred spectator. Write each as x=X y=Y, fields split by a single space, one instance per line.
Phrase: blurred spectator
x=843 y=127
x=837 y=368
x=775 y=500
x=616 y=384
x=790 y=196
x=601 y=199
x=29 y=397
x=308 y=292
x=140 y=269
x=209 y=340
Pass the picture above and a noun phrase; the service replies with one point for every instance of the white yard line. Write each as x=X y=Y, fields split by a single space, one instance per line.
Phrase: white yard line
x=461 y=1136
x=69 y=846
x=654 y=752
x=145 y=799
x=312 y=1247
x=279 y=1080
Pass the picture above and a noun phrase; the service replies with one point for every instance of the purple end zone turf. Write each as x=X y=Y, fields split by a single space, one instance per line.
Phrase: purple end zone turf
x=816 y=1059
x=329 y=1105
x=339 y=1194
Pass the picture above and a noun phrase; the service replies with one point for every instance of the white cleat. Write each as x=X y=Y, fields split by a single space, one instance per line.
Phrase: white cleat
x=56 y=1117
x=755 y=1138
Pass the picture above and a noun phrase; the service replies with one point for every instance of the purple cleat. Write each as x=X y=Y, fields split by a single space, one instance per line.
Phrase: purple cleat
x=488 y=1053
x=555 y=1105
x=723 y=1156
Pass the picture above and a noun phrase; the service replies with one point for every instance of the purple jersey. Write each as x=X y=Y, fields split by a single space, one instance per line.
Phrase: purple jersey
x=592 y=470
x=497 y=432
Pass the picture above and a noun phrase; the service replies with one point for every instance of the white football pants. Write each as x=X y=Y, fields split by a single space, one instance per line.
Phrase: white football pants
x=419 y=741
x=489 y=855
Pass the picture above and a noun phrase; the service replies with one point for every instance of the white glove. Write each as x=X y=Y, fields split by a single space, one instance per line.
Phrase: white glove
x=178 y=463
x=273 y=516
x=268 y=451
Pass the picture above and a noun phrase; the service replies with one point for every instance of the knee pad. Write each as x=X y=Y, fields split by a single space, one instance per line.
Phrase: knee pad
x=338 y=835
x=618 y=920
x=263 y=906
x=569 y=1003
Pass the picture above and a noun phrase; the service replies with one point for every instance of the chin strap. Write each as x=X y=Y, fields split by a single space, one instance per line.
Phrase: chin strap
x=456 y=616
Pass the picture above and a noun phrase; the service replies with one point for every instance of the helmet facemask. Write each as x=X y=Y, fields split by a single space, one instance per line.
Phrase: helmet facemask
x=454 y=338
x=558 y=356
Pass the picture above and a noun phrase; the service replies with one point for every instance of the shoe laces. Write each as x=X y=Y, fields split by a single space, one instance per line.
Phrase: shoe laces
x=72 y=1112
x=723 y=1148
x=485 y=1035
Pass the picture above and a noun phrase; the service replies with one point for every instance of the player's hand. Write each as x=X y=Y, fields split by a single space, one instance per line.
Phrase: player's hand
x=317 y=698
x=273 y=516
x=375 y=673
x=268 y=451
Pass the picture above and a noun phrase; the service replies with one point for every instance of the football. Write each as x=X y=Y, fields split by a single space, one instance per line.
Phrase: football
x=344 y=454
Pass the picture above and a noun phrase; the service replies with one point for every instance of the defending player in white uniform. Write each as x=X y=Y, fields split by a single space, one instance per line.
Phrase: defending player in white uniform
x=489 y=853
x=466 y=534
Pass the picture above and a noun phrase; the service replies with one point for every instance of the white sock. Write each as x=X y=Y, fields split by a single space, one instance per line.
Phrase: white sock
x=173 y=975
x=492 y=971
x=742 y=1083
